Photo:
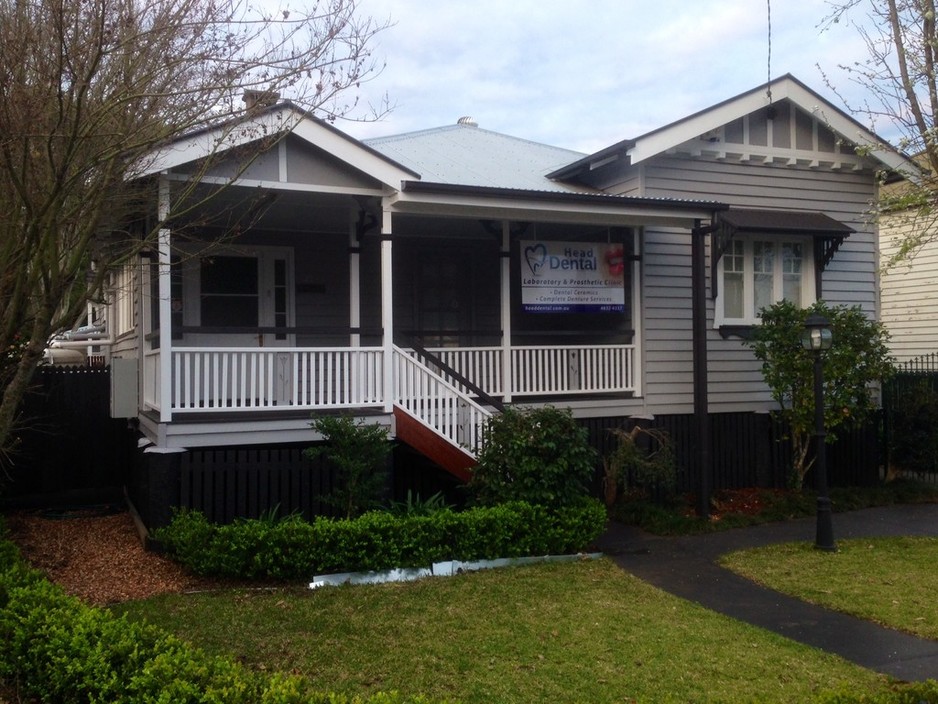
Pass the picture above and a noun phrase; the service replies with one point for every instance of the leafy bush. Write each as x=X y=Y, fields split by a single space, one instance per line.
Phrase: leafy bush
x=414 y=505
x=858 y=358
x=541 y=456
x=648 y=467
x=53 y=648
x=360 y=454
x=378 y=540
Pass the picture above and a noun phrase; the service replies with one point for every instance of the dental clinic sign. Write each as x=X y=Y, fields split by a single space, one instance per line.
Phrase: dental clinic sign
x=572 y=277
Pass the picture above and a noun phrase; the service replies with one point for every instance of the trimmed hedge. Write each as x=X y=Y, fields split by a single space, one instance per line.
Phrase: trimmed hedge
x=56 y=649
x=296 y=549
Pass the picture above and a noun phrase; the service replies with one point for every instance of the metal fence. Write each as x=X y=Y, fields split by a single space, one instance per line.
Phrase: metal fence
x=910 y=426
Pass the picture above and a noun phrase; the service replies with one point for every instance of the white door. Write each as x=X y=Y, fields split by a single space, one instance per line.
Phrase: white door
x=243 y=297
x=239 y=297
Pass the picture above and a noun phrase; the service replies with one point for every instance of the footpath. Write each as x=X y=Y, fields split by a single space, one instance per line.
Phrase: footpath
x=686 y=567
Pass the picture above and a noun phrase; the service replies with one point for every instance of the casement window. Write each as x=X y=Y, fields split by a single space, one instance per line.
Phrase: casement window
x=761 y=257
x=756 y=272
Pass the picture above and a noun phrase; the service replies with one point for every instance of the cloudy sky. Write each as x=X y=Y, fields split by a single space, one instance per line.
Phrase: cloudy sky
x=584 y=74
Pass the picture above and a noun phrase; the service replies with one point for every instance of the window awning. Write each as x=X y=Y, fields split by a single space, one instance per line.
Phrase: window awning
x=828 y=234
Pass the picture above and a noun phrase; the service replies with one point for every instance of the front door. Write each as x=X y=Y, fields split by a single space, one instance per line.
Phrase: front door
x=243 y=297
x=239 y=297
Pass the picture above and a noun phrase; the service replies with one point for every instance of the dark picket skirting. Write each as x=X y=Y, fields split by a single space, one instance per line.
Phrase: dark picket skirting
x=750 y=449
x=70 y=450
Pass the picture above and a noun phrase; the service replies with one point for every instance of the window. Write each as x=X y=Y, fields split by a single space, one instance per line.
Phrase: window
x=755 y=273
x=229 y=294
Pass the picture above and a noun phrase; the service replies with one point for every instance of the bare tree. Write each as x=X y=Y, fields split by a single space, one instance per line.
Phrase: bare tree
x=900 y=82
x=89 y=89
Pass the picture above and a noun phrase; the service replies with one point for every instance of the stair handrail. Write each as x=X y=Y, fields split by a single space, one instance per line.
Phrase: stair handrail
x=476 y=410
x=436 y=361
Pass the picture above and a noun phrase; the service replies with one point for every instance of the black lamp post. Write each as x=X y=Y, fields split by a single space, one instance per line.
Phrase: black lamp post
x=817 y=337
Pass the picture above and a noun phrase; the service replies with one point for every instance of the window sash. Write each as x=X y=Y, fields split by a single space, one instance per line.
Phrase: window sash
x=756 y=273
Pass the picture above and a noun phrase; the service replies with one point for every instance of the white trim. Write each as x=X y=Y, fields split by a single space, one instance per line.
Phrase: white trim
x=281 y=186
x=558 y=212
x=387 y=308
x=808 y=292
x=267 y=124
x=662 y=140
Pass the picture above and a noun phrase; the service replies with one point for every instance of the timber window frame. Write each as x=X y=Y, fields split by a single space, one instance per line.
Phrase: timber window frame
x=756 y=272
x=734 y=252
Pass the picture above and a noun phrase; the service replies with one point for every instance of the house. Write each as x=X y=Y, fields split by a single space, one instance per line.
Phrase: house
x=908 y=287
x=420 y=280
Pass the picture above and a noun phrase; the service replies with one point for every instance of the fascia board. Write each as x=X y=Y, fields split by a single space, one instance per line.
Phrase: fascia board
x=545 y=211
x=353 y=153
x=659 y=141
x=209 y=142
x=205 y=143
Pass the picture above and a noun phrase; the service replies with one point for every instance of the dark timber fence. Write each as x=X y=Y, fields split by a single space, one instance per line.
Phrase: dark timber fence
x=69 y=451
x=751 y=449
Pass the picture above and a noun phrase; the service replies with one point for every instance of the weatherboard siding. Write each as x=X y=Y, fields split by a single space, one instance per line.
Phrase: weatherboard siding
x=909 y=295
x=734 y=376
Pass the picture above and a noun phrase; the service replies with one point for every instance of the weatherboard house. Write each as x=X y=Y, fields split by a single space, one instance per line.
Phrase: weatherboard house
x=421 y=281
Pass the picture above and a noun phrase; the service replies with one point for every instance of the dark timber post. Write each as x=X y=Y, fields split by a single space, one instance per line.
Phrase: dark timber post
x=701 y=411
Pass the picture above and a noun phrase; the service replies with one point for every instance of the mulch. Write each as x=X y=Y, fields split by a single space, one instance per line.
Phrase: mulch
x=97 y=555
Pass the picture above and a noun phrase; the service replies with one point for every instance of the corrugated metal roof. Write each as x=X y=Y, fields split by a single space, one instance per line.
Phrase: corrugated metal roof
x=467 y=155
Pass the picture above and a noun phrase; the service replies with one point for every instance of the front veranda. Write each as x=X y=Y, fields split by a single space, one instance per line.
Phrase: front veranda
x=437 y=315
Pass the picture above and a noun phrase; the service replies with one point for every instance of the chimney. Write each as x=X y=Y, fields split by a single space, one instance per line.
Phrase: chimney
x=256 y=99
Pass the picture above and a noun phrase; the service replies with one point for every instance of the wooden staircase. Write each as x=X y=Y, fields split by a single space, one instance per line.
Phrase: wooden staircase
x=434 y=416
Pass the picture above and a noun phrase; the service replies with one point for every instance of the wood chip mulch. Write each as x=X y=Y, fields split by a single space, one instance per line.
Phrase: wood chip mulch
x=97 y=555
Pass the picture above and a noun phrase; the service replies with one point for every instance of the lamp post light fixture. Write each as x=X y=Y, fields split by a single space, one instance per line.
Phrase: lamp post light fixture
x=817 y=338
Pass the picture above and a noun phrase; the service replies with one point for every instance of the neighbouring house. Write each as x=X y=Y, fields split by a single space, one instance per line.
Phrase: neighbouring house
x=420 y=280
x=909 y=287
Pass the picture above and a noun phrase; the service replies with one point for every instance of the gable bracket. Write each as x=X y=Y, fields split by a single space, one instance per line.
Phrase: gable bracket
x=366 y=223
x=824 y=250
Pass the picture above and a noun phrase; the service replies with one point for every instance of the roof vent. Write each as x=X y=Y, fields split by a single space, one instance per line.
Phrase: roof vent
x=467 y=121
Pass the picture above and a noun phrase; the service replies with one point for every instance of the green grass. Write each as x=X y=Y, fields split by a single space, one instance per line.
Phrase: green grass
x=565 y=632
x=892 y=581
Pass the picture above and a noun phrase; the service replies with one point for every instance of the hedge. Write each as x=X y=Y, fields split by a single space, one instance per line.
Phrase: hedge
x=54 y=648
x=296 y=549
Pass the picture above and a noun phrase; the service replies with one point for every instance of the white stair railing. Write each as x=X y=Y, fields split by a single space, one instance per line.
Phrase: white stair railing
x=437 y=404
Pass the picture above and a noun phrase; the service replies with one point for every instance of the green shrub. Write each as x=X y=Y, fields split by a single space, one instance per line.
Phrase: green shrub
x=379 y=540
x=913 y=693
x=541 y=456
x=53 y=648
x=360 y=454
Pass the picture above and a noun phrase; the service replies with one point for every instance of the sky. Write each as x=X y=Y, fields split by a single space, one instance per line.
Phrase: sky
x=585 y=74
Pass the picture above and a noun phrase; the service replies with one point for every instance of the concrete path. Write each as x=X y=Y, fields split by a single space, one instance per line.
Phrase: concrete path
x=686 y=566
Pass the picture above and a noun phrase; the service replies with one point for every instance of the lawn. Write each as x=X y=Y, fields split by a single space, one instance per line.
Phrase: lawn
x=891 y=581
x=564 y=632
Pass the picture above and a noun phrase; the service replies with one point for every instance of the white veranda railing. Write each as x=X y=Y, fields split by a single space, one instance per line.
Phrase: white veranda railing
x=249 y=379
x=545 y=370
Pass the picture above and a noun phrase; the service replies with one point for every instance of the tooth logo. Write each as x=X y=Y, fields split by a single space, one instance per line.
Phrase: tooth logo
x=535 y=257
